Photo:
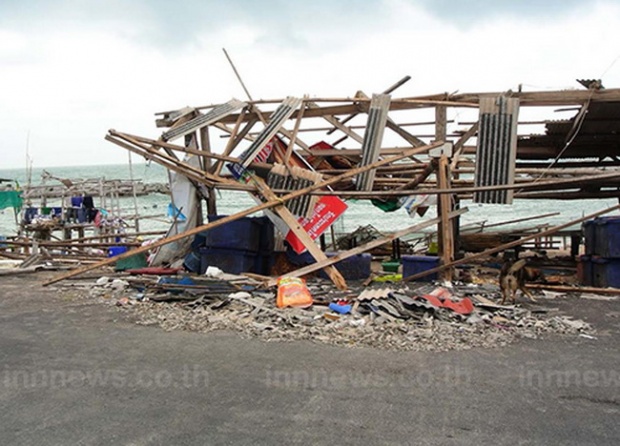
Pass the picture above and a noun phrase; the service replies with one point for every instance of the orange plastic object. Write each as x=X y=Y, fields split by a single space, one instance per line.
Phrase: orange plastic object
x=293 y=292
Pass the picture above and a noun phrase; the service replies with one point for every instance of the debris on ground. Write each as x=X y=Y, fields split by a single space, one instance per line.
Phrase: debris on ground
x=393 y=316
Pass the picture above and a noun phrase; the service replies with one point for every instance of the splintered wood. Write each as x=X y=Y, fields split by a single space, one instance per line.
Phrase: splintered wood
x=381 y=148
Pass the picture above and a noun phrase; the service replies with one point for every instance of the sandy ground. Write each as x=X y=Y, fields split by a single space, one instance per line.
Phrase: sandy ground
x=75 y=371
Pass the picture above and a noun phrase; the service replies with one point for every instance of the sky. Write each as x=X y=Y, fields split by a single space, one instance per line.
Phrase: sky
x=72 y=69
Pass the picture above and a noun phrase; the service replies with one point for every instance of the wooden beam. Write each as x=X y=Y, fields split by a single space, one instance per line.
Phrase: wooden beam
x=339 y=125
x=207 y=178
x=157 y=158
x=440 y=122
x=300 y=232
x=513 y=244
x=573 y=289
x=533 y=185
x=388 y=90
x=458 y=146
x=235 y=137
x=446 y=246
x=365 y=247
x=257 y=208
x=291 y=144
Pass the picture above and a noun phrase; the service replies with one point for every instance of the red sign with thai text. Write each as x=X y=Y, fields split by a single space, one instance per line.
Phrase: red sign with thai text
x=326 y=212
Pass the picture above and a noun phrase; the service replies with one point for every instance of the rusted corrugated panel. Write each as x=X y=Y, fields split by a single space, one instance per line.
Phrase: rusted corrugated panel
x=597 y=136
x=278 y=118
x=496 y=150
x=371 y=146
x=201 y=121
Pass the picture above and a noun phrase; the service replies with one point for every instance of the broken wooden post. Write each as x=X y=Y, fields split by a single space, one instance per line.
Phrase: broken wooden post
x=505 y=246
x=301 y=234
x=446 y=245
x=205 y=146
x=363 y=248
x=257 y=208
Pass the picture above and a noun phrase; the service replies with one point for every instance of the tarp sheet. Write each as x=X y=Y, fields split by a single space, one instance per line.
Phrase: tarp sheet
x=10 y=199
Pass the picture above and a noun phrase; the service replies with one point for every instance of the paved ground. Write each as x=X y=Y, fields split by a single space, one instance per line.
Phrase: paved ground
x=80 y=373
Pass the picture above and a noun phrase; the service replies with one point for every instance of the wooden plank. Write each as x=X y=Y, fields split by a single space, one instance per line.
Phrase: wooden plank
x=213 y=116
x=460 y=144
x=573 y=289
x=388 y=90
x=279 y=117
x=339 y=125
x=302 y=235
x=365 y=247
x=260 y=207
x=206 y=178
x=291 y=144
x=157 y=158
x=440 y=122
x=513 y=244
x=446 y=246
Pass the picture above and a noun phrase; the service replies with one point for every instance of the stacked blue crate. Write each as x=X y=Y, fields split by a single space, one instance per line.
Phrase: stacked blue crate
x=243 y=245
x=601 y=264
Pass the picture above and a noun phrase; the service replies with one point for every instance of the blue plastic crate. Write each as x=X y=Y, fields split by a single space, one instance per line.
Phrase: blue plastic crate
x=267 y=239
x=589 y=234
x=192 y=261
x=231 y=261
x=607 y=238
x=264 y=263
x=417 y=264
x=605 y=272
x=353 y=268
x=243 y=234
x=584 y=270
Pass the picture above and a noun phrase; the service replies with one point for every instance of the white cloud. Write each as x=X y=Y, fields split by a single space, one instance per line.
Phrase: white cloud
x=69 y=82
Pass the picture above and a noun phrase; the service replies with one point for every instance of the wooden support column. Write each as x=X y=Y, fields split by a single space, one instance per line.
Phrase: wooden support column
x=205 y=145
x=259 y=207
x=446 y=233
x=441 y=122
x=301 y=234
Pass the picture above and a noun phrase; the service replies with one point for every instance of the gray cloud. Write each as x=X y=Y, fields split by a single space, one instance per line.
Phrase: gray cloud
x=470 y=13
x=165 y=23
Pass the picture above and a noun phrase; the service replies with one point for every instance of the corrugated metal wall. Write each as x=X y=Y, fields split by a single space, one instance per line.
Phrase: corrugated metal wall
x=371 y=146
x=497 y=148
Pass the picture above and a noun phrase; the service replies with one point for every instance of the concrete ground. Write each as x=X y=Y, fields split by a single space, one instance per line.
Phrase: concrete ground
x=77 y=372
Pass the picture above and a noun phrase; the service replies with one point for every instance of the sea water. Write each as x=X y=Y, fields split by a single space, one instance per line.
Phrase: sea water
x=359 y=213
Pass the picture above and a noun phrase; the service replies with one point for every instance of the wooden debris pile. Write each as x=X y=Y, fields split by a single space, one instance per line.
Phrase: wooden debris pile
x=400 y=153
x=383 y=316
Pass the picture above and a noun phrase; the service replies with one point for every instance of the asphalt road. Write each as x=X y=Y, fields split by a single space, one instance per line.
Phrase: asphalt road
x=79 y=373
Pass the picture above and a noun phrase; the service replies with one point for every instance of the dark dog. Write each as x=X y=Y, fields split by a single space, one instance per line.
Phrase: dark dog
x=512 y=278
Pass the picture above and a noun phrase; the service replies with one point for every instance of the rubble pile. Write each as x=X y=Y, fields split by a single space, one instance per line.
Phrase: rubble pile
x=388 y=316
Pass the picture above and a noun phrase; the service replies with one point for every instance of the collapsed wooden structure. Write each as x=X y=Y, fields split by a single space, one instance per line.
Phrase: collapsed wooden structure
x=395 y=151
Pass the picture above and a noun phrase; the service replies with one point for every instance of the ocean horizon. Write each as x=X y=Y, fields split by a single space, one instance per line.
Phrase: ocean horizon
x=359 y=212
